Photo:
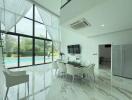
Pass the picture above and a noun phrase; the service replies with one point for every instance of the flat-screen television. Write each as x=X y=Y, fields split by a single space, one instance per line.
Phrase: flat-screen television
x=74 y=49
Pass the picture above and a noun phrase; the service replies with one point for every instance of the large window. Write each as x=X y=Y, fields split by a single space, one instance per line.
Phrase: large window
x=28 y=43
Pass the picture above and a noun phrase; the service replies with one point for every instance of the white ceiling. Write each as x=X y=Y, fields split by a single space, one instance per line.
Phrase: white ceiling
x=105 y=16
x=51 y=5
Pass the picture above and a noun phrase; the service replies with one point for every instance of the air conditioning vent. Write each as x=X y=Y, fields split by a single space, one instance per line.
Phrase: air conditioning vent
x=79 y=24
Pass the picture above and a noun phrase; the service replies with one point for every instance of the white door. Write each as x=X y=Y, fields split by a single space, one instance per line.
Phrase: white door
x=117 y=60
x=127 y=59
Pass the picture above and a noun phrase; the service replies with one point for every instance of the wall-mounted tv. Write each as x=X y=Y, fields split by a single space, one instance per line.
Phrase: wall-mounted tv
x=74 y=49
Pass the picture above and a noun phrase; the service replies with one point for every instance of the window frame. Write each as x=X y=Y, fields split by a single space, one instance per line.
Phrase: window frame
x=19 y=35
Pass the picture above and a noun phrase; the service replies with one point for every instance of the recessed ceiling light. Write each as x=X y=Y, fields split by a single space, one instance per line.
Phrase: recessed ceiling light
x=102 y=25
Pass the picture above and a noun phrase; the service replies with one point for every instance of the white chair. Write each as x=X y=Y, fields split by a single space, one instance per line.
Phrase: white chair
x=74 y=71
x=15 y=78
x=89 y=71
x=55 y=66
x=62 y=68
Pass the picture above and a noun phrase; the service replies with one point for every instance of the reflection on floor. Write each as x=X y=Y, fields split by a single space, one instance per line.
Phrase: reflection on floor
x=50 y=87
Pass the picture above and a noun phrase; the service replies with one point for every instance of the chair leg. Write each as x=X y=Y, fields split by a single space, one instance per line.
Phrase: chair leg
x=52 y=74
x=28 y=89
x=94 y=77
x=25 y=90
x=18 y=92
x=44 y=80
x=55 y=72
x=72 y=78
x=6 y=93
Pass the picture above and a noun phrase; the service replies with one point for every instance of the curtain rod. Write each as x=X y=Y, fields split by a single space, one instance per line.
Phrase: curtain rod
x=34 y=2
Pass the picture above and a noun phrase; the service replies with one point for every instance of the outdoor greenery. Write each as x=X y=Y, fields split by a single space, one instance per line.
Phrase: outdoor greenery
x=11 y=46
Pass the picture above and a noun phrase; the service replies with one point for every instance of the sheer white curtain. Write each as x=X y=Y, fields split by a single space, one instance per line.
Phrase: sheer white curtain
x=11 y=11
x=52 y=25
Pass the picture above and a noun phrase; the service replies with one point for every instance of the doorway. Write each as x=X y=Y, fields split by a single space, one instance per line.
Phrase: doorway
x=105 y=56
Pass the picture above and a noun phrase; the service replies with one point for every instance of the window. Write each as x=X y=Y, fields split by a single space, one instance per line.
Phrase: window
x=12 y=29
x=27 y=46
x=39 y=51
x=2 y=27
x=25 y=51
x=24 y=26
x=48 y=36
x=11 y=51
x=48 y=51
x=37 y=16
x=30 y=13
x=56 y=54
x=40 y=30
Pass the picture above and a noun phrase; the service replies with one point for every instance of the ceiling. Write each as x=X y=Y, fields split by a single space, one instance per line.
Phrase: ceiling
x=105 y=16
x=51 y=5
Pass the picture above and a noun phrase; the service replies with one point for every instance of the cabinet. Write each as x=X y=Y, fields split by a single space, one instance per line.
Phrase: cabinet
x=122 y=60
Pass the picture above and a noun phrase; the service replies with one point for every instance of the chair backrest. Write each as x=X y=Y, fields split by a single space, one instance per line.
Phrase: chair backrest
x=72 y=70
x=89 y=68
x=54 y=65
x=15 y=79
x=6 y=74
x=62 y=67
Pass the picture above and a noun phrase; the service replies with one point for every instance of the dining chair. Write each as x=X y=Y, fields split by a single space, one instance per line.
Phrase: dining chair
x=74 y=71
x=15 y=78
x=55 y=66
x=62 y=68
x=89 y=71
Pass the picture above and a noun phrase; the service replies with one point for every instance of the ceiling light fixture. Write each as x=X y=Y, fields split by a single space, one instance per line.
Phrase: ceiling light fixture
x=102 y=25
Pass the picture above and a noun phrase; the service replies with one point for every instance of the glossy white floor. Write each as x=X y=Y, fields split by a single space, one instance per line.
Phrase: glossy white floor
x=106 y=87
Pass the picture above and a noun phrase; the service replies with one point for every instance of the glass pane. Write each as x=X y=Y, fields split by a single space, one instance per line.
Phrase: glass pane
x=12 y=29
x=2 y=27
x=24 y=26
x=25 y=51
x=10 y=50
x=48 y=51
x=40 y=30
x=56 y=54
x=37 y=16
x=48 y=36
x=30 y=13
x=39 y=51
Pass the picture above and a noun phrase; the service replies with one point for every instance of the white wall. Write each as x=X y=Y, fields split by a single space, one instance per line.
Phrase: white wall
x=87 y=49
x=70 y=38
x=90 y=45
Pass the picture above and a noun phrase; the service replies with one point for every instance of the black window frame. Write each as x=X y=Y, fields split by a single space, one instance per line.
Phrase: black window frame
x=19 y=35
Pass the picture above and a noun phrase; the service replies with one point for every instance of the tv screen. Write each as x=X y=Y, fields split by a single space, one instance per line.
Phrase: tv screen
x=74 y=49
